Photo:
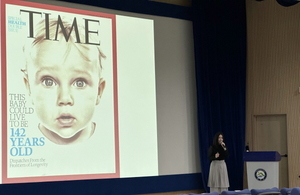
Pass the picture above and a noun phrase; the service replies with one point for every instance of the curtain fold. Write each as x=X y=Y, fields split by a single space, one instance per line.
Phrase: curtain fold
x=220 y=60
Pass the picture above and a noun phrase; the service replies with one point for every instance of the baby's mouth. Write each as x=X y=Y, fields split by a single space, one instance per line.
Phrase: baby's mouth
x=66 y=120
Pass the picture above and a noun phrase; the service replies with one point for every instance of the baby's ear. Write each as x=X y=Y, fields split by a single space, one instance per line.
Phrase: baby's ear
x=101 y=87
x=27 y=85
x=26 y=82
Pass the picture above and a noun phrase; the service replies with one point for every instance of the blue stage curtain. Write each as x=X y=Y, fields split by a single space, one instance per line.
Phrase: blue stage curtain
x=220 y=60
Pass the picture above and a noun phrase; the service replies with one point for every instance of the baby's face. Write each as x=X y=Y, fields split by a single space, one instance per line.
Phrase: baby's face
x=64 y=87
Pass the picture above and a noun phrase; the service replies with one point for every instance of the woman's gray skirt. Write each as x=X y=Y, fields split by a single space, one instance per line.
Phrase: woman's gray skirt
x=218 y=176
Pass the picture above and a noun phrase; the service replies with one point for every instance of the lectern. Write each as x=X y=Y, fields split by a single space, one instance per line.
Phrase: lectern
x=262 y=169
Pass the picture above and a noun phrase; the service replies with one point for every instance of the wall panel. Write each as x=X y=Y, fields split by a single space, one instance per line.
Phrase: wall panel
x=273 y=67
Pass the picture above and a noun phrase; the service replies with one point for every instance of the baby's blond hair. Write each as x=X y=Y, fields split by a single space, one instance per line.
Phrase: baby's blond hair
x=62 y=30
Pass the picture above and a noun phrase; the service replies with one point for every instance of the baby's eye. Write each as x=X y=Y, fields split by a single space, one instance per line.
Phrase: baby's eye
x=80 y=83
x=48 y=82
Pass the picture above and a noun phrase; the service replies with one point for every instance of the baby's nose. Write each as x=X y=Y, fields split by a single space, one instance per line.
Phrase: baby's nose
x=65 y=96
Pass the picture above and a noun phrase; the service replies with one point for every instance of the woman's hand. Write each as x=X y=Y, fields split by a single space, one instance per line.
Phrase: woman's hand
x=217 y=155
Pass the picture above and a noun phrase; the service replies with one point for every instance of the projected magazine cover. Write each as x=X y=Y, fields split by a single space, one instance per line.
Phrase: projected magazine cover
x=58 y=94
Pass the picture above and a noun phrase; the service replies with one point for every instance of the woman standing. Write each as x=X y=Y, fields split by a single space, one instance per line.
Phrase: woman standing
x=218 y=176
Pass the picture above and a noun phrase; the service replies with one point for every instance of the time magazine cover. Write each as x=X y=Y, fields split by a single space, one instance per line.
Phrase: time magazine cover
x=59 y=94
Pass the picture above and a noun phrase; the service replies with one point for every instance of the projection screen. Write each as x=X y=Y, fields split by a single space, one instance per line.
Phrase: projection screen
x=78 y=94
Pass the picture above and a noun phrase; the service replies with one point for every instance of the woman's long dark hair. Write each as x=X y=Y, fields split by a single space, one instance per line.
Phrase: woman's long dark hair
x=216 y=137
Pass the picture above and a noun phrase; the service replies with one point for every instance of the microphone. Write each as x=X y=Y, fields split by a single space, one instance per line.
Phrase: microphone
x=247 y=148
x=223 y=145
